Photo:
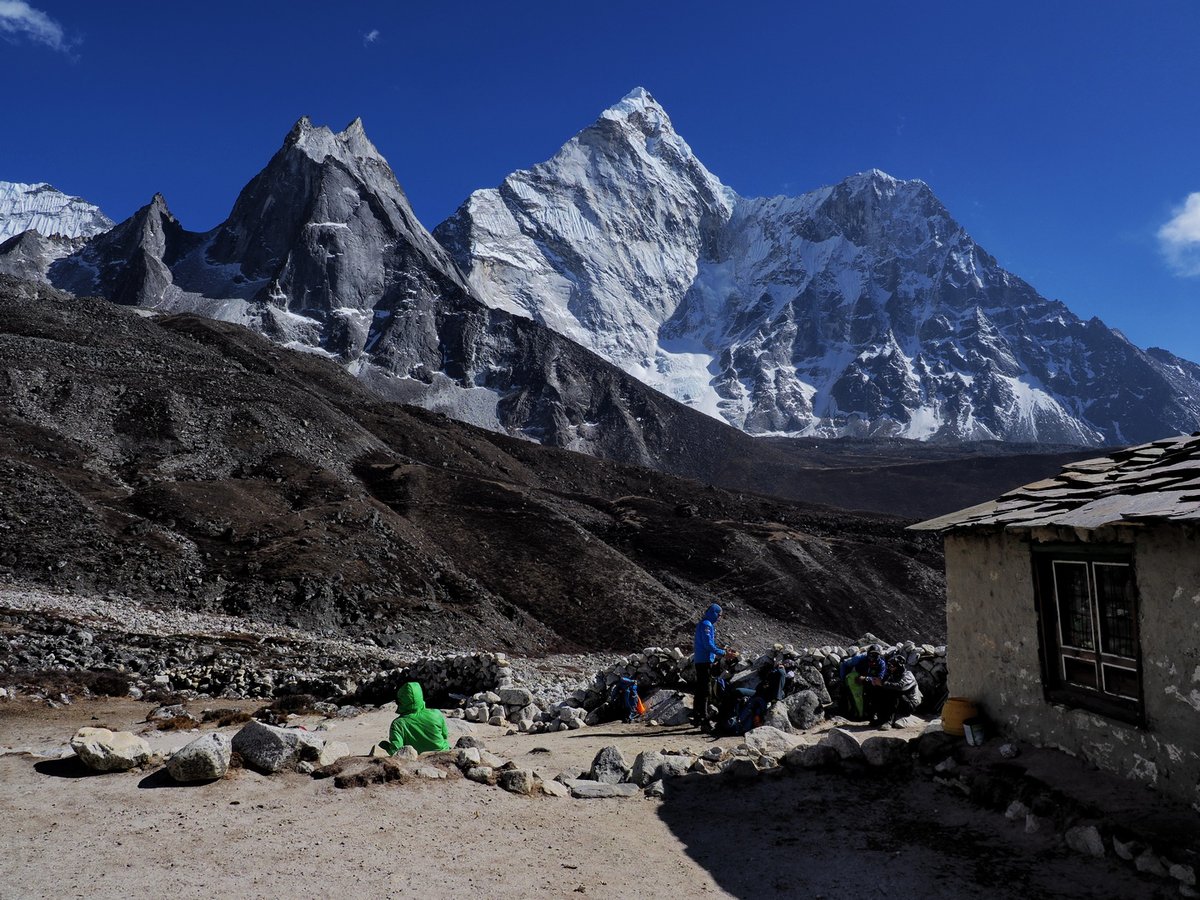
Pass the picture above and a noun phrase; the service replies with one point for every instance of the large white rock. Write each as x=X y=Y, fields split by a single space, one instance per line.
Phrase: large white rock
x=102 y=750
x=767 y=739
x=204 y=759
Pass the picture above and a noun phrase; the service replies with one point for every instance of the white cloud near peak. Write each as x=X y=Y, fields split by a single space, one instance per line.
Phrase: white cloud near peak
x=20 y=20
x=1180 y=237
x=371 y=36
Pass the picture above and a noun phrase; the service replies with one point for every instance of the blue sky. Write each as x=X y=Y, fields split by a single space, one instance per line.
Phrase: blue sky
x=1065 y=136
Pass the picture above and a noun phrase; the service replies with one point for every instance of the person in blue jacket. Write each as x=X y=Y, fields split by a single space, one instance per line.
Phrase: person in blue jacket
x=854 y=672
x=706 y=653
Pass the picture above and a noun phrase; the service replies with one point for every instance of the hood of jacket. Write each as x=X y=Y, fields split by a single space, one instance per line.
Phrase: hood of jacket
x=711 y=614
x=409 y=698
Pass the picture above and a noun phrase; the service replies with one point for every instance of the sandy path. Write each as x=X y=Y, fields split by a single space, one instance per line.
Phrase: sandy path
x=805 y=835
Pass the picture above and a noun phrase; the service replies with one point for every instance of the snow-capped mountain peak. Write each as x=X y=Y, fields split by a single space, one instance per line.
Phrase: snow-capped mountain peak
x=859 y=308
x=640 y=105
x=47 y=210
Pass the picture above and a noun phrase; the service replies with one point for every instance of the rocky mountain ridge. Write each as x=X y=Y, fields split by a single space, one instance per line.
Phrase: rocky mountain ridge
x=860 y=309
x=192 y=462
x=322 y=252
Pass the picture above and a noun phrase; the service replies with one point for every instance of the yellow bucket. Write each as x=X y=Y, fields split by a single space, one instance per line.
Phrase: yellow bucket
x=956 y=711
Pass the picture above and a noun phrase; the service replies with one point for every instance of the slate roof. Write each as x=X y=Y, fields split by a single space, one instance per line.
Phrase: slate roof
x=1159 y=481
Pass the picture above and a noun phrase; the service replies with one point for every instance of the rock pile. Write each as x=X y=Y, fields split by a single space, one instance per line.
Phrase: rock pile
x=657 y=668
x=483 y=685
x=452 y=677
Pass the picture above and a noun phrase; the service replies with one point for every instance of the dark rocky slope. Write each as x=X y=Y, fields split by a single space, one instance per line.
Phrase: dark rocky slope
x=193 y=464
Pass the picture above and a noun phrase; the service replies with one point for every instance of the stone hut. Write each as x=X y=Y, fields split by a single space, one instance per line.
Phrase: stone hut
x=1073 y=612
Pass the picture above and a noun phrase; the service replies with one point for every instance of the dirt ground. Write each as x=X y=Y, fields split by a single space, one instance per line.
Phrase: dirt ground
x=67 y=834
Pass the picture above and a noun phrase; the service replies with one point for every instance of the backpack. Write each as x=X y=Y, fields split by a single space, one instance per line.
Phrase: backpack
x=623 y=699
x=744 y=710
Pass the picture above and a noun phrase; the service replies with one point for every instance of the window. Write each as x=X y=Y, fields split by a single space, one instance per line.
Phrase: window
x=1088 y=611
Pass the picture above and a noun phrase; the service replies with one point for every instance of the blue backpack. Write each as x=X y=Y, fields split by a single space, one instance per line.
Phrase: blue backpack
x=623 y=699
x=745 y=712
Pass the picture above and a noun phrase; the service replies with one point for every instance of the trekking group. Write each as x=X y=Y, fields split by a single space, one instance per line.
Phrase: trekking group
x=874 y=688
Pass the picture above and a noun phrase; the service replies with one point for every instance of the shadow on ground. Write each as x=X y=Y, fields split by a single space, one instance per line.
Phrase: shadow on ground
x=67 y=767
x=827 y=835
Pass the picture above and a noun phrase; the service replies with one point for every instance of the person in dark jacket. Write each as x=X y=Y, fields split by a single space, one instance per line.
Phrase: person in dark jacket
x=706 y=653
x=416 y=726
x=893 y=696
x=853 y=673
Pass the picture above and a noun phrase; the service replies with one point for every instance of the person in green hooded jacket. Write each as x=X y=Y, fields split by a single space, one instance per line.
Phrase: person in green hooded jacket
x=417 y=727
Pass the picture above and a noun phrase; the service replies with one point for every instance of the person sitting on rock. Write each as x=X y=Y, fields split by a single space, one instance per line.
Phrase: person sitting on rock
x=893 y=696
x=415 y=726
x=706 y=653
x=776 y=680
x=853 y=673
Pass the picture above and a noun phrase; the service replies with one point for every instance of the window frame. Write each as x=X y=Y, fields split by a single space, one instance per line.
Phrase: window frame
x=1054 y=653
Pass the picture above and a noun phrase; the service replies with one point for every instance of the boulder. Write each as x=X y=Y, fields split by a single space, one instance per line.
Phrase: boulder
x=516 y=781
x=669 y=708
x=331 y=752
x=267 y=748
x=656 y=789
x=886 y=752
x=675 y=764
x=597 y=790
x=1085 y=839
x=204 y=759
x=844 y=743
x=609 y=766
x=766 y=739
x=487 y=758
x=515 y=696
x=815 y=681
x=468 y=740
x=102 y=750
x=467 y=757
x=554 y=788
x=459 y=727
x=645 y=767
x=777 y=717
x=481 y=774
x=803 y=709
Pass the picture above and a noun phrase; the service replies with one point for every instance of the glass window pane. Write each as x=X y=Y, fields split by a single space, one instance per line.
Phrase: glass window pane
x=1074 y=605
x=1122 y=682
x=1078 y=671
x=1114 y=596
